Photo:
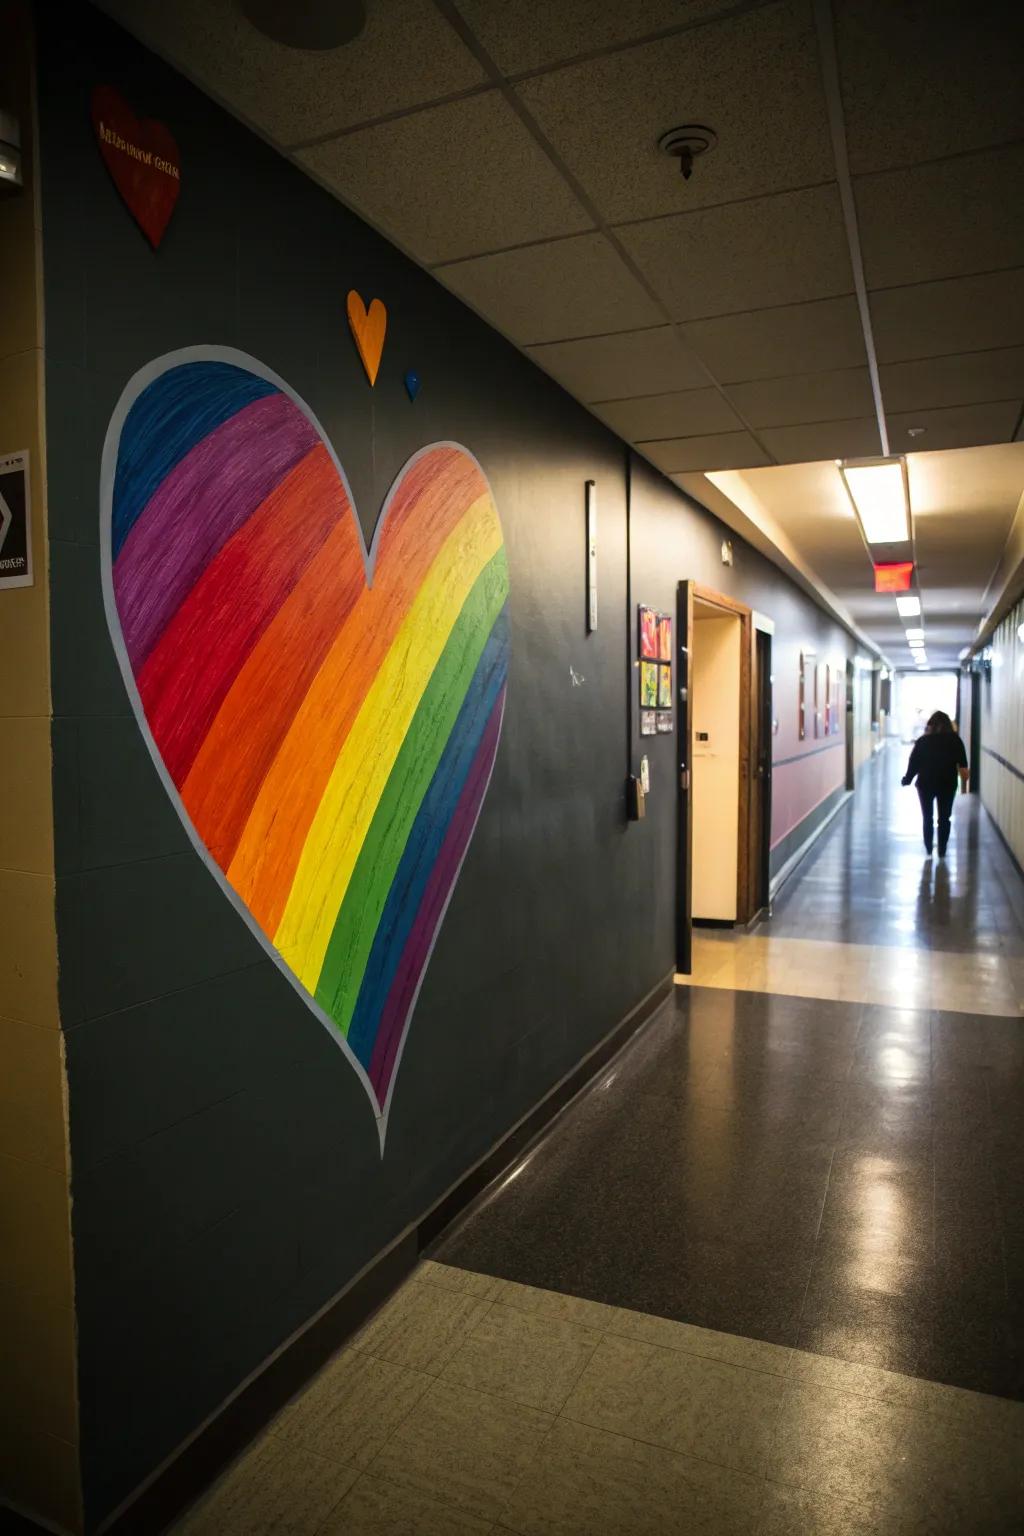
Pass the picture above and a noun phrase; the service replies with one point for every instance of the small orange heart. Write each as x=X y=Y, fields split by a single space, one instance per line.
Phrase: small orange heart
x=368 y=327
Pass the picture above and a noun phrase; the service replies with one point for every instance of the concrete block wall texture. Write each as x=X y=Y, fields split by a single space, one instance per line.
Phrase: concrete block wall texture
x=38 y=1398
x=225 y=1170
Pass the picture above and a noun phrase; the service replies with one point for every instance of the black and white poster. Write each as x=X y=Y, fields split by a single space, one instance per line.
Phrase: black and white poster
x=15 y=529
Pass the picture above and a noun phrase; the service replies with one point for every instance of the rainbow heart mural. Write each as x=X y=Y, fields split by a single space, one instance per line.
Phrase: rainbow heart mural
x=324 y=717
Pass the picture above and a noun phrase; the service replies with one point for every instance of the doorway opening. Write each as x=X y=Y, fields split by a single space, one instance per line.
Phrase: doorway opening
x=725 y=741
x=715 y=684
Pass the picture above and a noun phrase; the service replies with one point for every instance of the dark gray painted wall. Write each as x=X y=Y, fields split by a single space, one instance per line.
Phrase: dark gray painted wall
x=226 y=1173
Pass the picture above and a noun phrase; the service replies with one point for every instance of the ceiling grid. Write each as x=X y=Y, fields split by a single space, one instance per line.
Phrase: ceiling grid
x=843 y=273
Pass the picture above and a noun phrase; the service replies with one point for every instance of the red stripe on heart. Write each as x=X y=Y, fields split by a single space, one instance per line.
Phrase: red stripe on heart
x=142 y=158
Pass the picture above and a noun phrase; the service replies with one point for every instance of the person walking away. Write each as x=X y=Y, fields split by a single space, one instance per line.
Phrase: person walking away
x=937 y=759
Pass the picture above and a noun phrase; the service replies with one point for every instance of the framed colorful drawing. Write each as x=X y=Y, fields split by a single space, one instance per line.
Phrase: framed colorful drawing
x=648 y=685
x=648 y=726
x=664 y=637
x=664 y=687
x=648 y=632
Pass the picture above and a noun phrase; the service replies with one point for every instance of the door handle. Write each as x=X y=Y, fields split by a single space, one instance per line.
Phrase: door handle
x=684 y=778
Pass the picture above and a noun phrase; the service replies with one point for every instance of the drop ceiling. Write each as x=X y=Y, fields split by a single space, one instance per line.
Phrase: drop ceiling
x=842 y=275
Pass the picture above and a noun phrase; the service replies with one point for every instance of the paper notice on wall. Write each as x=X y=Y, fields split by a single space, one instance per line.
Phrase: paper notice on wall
x=15 y=522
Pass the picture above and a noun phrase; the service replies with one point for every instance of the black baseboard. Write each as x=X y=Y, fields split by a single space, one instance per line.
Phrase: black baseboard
x=198 y=1463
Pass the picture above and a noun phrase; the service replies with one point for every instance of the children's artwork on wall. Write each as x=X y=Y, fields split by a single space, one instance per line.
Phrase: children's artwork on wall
x=665 y=725
x=142 y=158
x=327 y=744
x=664 y=687
x=827 y=700
x=801 y=717
x=647 y=723
x=648 y=638
x=368 y=327
x=648 y=685
x=412 y=383
x=664 y=637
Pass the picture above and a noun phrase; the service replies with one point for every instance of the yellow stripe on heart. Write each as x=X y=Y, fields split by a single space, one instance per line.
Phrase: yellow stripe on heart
x=365 y=762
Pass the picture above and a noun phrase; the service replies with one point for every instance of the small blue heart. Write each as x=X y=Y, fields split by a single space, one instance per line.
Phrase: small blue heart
x=412 y=384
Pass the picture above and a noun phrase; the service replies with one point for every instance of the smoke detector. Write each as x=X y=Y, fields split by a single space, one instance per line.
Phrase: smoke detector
x=686 y=143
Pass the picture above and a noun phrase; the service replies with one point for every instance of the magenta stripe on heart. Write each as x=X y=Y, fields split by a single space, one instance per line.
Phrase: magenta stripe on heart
x=437 y=892
x=202 y=502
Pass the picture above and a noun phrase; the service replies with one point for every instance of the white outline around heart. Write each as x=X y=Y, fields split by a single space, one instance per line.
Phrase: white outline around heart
x=135 y=386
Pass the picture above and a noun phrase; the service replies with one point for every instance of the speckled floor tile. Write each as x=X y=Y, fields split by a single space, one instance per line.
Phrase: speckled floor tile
x=274 y=1488
x=982 y=1411
x=586 y=1481
x=421 y=1327
x=450 y=1278
x=464 y=1448
x=352 y=1407
x=531 y=1359
x=555 y=1305
x=378 y=1508
x=704 y=1408
x=796 y=1512
x=883 y=1456
x=727 y=1347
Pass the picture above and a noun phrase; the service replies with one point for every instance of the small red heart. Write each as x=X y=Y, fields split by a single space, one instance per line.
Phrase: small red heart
x=142 y=158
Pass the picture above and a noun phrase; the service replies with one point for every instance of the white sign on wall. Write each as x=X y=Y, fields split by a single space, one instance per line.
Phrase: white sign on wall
x=15 y=522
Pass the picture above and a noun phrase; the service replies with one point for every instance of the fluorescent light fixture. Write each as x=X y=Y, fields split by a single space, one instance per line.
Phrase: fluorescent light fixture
x=878 y=491
x=915 y=634
x=908 y=607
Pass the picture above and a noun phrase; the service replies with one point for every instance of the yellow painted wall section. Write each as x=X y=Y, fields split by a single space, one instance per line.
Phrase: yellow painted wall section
x=715 y=694
x=39 y=1466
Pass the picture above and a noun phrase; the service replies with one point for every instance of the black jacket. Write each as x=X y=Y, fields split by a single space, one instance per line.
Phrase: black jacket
x=934 y=762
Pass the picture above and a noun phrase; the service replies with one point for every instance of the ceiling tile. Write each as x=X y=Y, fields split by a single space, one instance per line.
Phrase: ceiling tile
x=966 y=379
x=967 y=314
x=853 y=439
x=804 y=397
x=957 y=426
x=553 y=292
x=718 y=450
x=605 y=117
x=407 y=54
x=768 y=250
x=685 y=412
x=920 y=82
x=629 y=363
x=430 y=180
x=942 y=220
x=527 y=34
x=795 y=338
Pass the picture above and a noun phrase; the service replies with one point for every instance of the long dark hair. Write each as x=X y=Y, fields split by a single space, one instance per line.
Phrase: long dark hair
x=938 y=723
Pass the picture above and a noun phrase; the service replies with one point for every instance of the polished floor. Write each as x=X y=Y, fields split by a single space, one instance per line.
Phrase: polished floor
x=472 y=1404
x=765 y=1276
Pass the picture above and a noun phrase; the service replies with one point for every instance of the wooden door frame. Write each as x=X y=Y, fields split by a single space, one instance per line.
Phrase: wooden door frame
x=747 y=904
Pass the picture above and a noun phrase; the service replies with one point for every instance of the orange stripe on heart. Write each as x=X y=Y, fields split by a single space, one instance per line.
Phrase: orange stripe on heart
x=368 y=327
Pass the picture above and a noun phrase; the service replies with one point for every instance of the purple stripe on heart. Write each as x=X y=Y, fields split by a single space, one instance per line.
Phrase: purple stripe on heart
x=201 y=503
x=435 y=896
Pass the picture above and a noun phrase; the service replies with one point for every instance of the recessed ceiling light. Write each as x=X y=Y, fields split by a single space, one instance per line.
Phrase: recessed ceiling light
x=915 y=634
x=908 y=607
x=916 y=431
x=878 y=490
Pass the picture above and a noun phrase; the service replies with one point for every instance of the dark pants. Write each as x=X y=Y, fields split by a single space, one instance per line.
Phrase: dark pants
x=944 y=798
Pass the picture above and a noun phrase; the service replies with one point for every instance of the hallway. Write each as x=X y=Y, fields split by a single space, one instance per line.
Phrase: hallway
x=766 y=1276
